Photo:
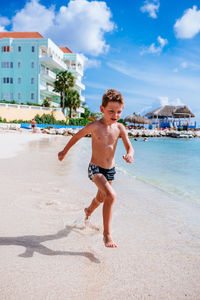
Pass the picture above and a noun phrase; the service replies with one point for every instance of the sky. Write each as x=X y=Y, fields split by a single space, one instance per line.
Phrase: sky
x=149 y=50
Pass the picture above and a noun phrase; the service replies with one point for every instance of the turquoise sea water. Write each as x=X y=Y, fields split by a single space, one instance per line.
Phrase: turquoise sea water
x=172 y=165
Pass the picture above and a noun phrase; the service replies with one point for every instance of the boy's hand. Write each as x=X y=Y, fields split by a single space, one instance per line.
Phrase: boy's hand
x=61 y=155
x=128 y=158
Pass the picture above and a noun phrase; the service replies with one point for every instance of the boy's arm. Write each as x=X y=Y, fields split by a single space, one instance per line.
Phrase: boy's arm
x=127 y=144
x=83 y=132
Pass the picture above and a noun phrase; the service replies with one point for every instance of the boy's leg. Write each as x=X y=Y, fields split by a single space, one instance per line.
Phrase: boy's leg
x=109 y=197
x=94 y=204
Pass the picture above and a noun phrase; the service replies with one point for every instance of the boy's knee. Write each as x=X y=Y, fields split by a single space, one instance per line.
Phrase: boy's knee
x=110 y=196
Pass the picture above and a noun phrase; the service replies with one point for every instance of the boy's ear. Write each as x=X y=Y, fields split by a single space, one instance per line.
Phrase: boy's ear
x=102 y=109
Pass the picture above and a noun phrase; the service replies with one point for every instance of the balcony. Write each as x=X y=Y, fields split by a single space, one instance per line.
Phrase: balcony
x=76 y=69
x=80 y=110
x=79 y=84
x=49 y=75
x=48 y=90
x=82 y=98
x=53 y=61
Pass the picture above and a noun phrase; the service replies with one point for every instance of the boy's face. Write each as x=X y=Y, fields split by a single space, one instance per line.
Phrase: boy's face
x=112 y=111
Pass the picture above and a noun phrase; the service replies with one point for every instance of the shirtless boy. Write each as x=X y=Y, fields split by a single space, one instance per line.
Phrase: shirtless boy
x=105 y=134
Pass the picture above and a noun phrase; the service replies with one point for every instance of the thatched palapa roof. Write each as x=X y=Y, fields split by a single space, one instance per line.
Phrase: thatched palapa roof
x=170 y=111
x=183 y=112
x=136 y=119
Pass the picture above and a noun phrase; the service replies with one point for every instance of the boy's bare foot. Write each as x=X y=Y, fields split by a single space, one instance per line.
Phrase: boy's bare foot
x=109 y=242
x=87 y=214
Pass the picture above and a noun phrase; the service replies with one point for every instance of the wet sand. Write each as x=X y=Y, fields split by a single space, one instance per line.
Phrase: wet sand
x=45 y=254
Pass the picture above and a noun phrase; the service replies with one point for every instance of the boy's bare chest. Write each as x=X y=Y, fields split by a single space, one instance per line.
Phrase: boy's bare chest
x=106 y=137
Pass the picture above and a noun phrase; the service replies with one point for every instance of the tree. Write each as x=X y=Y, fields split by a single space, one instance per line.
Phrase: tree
x=72 y=100
x=64 y=81
x=46 y=103
x=87 y=112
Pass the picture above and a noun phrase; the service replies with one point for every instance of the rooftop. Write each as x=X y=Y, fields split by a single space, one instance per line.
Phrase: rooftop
x=20 y=35
x=169 y=111
x=65 y=49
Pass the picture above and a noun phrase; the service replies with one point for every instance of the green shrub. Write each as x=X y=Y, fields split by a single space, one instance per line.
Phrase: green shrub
x=122 y=121
x=78 y=122
x=32 y=104
x=48 y=119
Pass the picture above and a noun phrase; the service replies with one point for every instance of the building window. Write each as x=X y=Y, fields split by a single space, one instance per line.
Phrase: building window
x=19 y=64
x=32 y=96
x=7 y=49
x=19 y=96
x=7 y=96
x=32 y=64
x=32 y=80
x=33 y=49
x=7 y=80
x=19 y=48
x=19 y=80
x=7 y=64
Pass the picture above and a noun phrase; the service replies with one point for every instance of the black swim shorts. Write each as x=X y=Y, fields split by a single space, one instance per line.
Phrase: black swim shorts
x=94 y=170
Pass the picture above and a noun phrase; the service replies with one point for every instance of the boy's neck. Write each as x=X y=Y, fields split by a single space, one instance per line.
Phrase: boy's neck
x=107 y=123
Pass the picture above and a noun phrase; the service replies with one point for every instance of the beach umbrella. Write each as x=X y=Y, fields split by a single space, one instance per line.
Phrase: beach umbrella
x=137 y=119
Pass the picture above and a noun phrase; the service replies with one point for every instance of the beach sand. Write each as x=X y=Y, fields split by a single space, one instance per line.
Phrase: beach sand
x=45 y=254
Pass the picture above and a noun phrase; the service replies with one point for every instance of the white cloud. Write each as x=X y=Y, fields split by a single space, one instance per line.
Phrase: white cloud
x=90 y=62
x=151 y=7
x=153 y=49
x=175 y=70
x=189 y=24
x=2 y=28
x=163 y=100
x=33 y=17
x=184 y=65
x=3 y=22
x=80 y=25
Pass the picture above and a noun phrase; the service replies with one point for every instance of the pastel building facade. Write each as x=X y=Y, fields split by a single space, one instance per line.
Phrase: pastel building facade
x=28 y=67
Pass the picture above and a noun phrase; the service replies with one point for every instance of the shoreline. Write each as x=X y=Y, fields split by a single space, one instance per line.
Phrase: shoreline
x=132 y=133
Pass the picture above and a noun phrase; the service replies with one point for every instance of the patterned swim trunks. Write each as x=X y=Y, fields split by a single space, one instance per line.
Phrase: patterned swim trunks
x=94 y=170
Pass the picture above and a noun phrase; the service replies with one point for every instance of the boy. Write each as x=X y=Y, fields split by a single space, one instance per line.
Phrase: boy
x=105 y=134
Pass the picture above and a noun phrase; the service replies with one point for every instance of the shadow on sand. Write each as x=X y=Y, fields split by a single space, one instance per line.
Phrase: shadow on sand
x=32 y=243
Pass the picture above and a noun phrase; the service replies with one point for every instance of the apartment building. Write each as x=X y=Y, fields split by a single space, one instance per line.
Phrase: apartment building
x=28 y=67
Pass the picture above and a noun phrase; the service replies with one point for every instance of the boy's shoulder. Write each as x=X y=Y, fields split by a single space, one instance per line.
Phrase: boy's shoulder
x=121 y=126
x=92 y=125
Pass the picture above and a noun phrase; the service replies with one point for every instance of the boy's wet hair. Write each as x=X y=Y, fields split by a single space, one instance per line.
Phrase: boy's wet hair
x=112 y=96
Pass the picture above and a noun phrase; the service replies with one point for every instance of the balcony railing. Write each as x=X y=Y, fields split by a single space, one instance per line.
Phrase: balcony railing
x=82 y=98
x=79 y=84
x=53 y=61
x=20 y=106
x=49 y=74
x=48 y=89
x=75 y=68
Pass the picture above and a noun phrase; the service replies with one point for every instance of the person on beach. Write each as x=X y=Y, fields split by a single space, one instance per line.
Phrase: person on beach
x=105 y=134
x=33 y=125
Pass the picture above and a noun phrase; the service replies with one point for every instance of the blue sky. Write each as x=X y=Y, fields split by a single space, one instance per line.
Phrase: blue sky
x=148 y=50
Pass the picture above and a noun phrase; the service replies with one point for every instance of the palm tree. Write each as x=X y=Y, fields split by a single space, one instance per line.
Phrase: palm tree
x=72 y=100
x=64 y=81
